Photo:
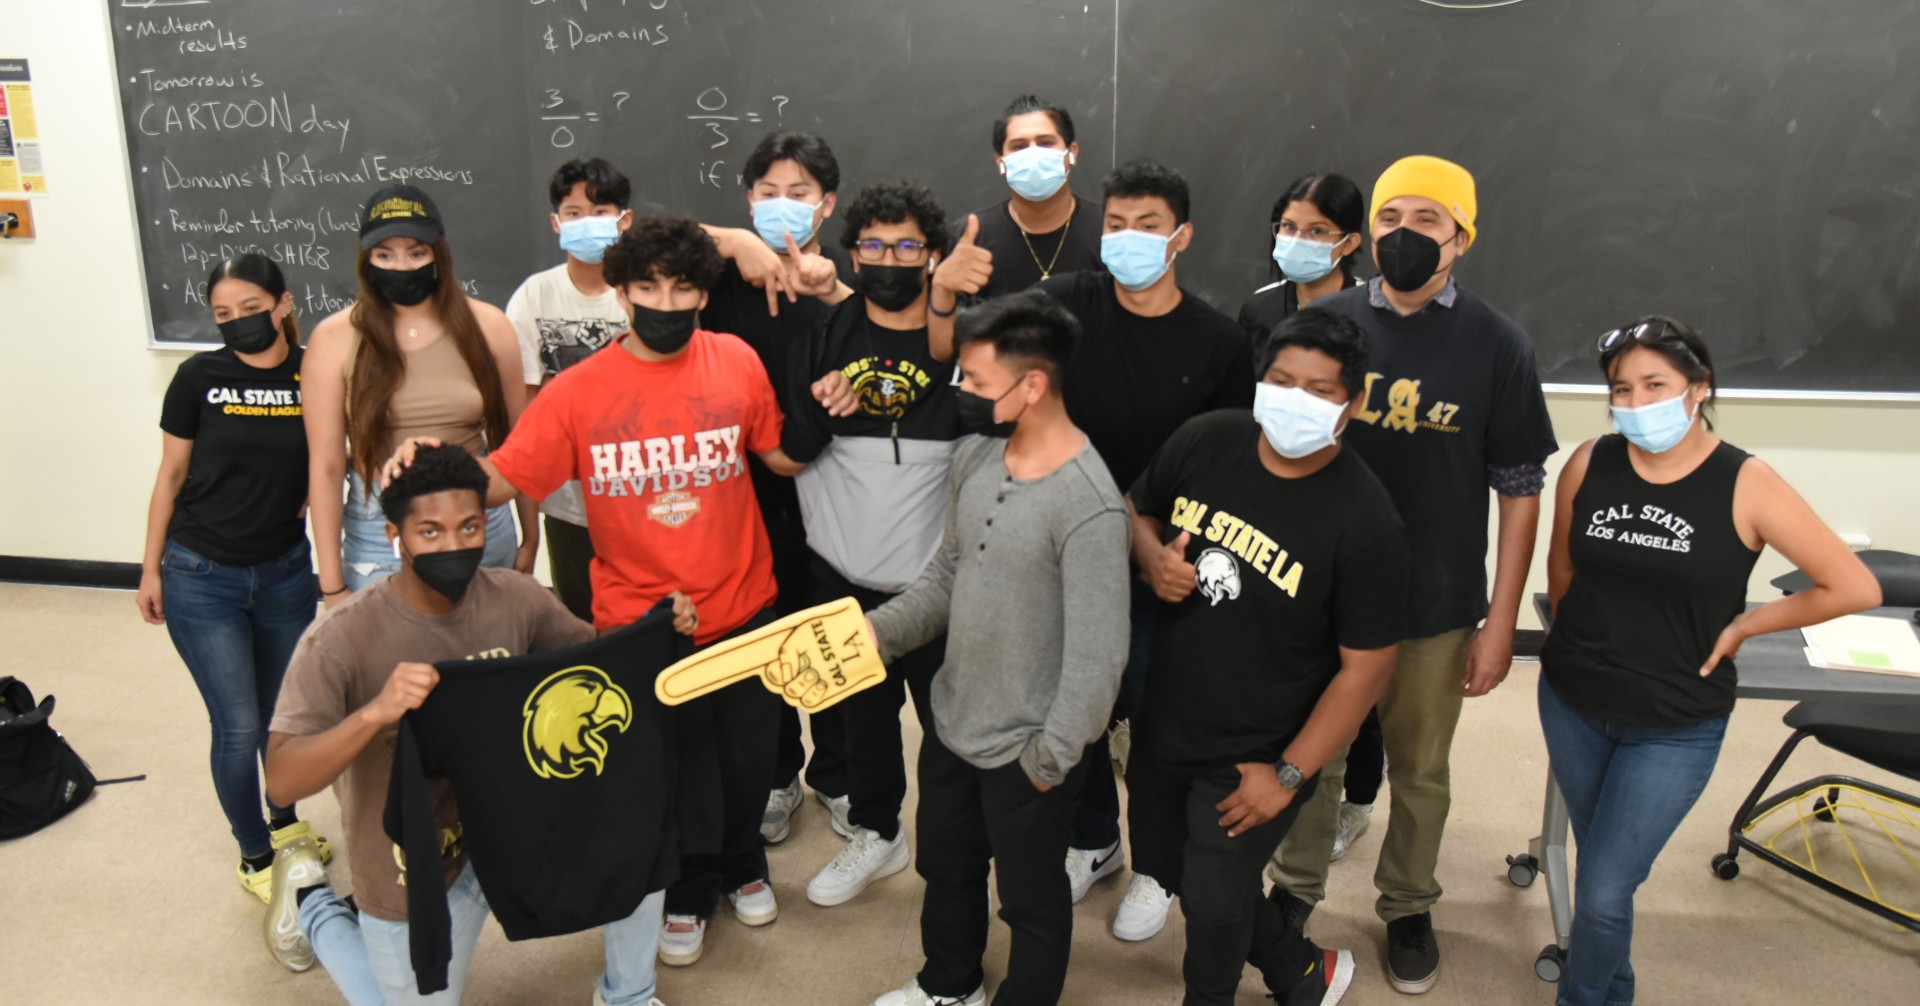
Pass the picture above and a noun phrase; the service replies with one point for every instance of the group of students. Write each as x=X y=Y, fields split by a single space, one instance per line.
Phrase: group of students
x=1070 y=495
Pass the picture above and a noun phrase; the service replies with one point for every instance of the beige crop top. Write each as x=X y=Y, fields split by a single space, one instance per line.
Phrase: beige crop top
x=437 y=397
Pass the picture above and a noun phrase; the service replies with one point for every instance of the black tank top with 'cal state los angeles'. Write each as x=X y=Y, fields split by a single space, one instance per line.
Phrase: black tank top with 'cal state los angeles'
x=1658 y=572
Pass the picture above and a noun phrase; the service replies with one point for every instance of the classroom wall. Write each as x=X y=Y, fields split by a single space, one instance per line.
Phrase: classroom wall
x=80 y=392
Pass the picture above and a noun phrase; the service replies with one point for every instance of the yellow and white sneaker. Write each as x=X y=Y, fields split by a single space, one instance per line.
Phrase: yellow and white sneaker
x=295 y=866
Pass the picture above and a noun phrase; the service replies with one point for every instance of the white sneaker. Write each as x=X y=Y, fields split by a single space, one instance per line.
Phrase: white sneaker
x=867 y=858
x=1353 y=823
x=1143 y=912
x=914 y=995
x=838 y=806
x=753 y=904
x=600 y=1000
x=296 y=865
x=681 y=940
x=1084 y=866
x=777 y=823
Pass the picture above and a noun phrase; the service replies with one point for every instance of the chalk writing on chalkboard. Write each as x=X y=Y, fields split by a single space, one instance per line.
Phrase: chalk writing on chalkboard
x=715 y=118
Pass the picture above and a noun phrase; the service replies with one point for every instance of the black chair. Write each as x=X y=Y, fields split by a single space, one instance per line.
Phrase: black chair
x=1883 y=734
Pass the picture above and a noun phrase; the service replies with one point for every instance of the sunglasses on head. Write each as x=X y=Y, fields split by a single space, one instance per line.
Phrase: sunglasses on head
x=1646 y=333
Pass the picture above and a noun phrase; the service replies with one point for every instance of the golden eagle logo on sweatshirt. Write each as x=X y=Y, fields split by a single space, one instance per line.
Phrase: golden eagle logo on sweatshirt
x=565 y=718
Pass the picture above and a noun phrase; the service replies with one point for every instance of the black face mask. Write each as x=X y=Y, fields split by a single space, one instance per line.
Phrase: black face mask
x=665 y=332
x=252 y=334
x=404 y=287
x=892 y=287
x=976 y=414
x=1408 y=259
x=448 y=574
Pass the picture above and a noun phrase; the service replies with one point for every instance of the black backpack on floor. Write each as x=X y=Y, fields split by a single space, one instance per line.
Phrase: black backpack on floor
x=41 y=778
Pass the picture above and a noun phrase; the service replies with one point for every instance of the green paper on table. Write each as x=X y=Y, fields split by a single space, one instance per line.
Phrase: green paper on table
x=1864 y=643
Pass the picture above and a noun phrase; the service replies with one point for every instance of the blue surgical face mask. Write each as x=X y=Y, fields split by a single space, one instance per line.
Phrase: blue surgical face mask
x=588 y=238
x=1655 y=428
x=1036 y=173
x=1301 y=260
x=1295 y=421
x=775 y=218
x=1136 y=259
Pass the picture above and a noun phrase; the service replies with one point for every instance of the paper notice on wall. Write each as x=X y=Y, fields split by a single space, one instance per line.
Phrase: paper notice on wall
x=22 y=169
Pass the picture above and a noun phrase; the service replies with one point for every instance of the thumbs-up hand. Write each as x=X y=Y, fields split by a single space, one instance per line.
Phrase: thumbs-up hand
x=1167 y=571
x=968 y=267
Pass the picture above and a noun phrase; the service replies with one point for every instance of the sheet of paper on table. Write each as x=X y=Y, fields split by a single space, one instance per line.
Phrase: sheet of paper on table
x=1864 y=643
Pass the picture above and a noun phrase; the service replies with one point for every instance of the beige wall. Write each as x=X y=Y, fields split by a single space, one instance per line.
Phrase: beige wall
x=80 y=393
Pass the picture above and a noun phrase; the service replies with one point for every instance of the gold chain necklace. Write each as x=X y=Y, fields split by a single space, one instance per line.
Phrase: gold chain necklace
x=1046 y=270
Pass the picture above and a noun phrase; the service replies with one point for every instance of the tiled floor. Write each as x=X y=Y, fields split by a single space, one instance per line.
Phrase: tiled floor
x=133 y=898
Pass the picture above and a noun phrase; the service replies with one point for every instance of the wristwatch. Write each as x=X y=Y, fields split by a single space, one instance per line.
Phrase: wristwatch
x=1290 y=775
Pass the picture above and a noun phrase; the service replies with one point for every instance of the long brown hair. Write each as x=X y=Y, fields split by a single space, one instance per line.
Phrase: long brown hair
x=255 y=268
x=379 y=366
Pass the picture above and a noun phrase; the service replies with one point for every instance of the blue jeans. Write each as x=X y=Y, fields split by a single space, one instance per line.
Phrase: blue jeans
x=366 y=556
x=235 y=627
x=1627 y=789
x=370 y=961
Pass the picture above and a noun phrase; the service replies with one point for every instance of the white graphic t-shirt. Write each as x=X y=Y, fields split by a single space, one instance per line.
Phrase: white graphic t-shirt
x=558 y=327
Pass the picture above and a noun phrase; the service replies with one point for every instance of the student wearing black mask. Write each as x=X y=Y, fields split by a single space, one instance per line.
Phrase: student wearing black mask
x=1451 y=412
x=792 y=183
x=658 y=429
x=363 y=666
x=1153 y=356
x=227 y=568
x=874 y=496
x=415 y=356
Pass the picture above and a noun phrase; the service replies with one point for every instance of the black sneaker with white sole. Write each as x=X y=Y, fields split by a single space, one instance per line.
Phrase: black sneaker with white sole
x=1413 y=954
x=1326 y=983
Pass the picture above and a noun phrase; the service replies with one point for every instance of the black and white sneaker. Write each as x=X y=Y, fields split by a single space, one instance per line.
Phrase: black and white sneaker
x=1330 y=978
x=1413 y=954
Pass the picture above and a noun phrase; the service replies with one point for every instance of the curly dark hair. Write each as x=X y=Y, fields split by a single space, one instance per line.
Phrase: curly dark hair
x=897 y=202
x=664 y=246
x=434 y=470
x=1146 y=178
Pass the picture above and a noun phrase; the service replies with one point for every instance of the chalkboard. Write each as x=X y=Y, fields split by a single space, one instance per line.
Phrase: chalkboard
x=1754 y=170
x=263 y=124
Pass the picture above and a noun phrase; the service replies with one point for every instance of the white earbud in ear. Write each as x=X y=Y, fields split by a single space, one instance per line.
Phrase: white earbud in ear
x=396 y=548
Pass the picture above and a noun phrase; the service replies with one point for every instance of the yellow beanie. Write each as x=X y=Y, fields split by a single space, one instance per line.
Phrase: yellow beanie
x=1442 y=181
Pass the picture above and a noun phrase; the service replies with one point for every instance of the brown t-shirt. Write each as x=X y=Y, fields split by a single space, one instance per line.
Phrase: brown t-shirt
x=344 y=660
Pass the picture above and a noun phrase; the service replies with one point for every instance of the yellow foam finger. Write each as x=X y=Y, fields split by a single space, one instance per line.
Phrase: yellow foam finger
x=811 y=659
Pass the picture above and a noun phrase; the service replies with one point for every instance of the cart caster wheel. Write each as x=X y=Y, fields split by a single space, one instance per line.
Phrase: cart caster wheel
x=1725 y=867
x=1521 y=870
x=1823 y=808
x=1550 y=963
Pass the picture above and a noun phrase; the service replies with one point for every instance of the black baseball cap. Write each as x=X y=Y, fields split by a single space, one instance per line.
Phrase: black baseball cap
x=400 y=211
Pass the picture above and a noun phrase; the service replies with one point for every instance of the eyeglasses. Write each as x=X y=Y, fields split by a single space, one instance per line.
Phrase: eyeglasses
x=906 y=251
x=1647 y=333
x=1318 y=232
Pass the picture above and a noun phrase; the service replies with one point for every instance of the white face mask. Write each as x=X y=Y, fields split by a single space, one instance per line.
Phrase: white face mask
x=1296 y=422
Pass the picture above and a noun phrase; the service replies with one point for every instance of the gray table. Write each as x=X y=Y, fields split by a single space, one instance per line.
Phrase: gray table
x=1773 y=666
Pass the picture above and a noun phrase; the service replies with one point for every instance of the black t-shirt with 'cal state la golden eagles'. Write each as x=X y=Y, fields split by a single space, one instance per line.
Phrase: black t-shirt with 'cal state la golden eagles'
x=246 y=482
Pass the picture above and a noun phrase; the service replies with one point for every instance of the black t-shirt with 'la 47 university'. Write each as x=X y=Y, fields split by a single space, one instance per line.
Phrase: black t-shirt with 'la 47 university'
x=1287 y=571
x=247 y=478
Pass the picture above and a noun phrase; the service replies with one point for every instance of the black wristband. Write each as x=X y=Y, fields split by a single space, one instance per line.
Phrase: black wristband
x=330 y=593
x=936 y=312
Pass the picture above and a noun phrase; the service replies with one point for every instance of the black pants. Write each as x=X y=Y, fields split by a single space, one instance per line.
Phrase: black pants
x=868 y=722
x=971 y=818
x=569 y=554
x=1096 y=822
x=1178 y=841
x=780 y=509
x=1366 y=761
x=744 y=721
